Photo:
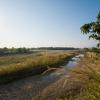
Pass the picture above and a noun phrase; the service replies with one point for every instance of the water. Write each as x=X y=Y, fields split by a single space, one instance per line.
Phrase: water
x=72 y=63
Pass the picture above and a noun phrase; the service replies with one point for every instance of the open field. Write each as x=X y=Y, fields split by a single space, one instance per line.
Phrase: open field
x=80 y=83
x=30 y=64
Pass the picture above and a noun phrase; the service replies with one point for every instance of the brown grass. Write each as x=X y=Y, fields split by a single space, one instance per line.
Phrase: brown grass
x=23 y=65
x=82 y=83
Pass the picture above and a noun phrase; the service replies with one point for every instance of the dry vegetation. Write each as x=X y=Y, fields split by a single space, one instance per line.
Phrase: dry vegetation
x=82 y=82
x=21 y=65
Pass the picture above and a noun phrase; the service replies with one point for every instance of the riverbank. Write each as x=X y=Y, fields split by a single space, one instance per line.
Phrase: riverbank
x=81 y=83
x=16 y=67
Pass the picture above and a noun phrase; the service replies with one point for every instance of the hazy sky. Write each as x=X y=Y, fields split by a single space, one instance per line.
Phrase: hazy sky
x=34 y=23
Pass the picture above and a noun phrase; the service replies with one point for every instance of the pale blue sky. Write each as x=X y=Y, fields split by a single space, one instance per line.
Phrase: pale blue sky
x=35 y=23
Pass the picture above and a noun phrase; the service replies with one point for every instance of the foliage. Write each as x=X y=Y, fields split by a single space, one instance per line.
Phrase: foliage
x=93 y=29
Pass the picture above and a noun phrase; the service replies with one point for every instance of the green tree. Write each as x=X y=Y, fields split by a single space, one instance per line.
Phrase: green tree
x=93 y=29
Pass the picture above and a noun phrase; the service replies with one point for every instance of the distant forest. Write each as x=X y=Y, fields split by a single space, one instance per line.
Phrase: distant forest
x=57 y=48
x=7 y=51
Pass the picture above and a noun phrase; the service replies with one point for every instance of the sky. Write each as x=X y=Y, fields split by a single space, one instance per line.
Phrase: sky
x=46 y=23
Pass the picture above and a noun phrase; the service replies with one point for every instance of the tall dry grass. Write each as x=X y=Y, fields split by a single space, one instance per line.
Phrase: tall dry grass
x=81 y=83
x=13 y=64
x=87 y=76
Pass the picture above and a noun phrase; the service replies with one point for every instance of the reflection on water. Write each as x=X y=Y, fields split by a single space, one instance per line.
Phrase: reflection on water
x=72 y=63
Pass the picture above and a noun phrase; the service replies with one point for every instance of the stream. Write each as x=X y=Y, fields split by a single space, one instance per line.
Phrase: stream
x=71 y=63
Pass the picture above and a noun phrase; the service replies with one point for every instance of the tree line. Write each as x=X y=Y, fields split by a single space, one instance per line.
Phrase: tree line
x=5 y=50
x=57 y=48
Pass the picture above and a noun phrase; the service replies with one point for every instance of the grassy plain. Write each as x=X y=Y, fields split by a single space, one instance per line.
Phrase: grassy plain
x=23 y=65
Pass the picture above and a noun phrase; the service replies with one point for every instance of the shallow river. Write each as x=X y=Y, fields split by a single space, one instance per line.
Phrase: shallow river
x=71 y=63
